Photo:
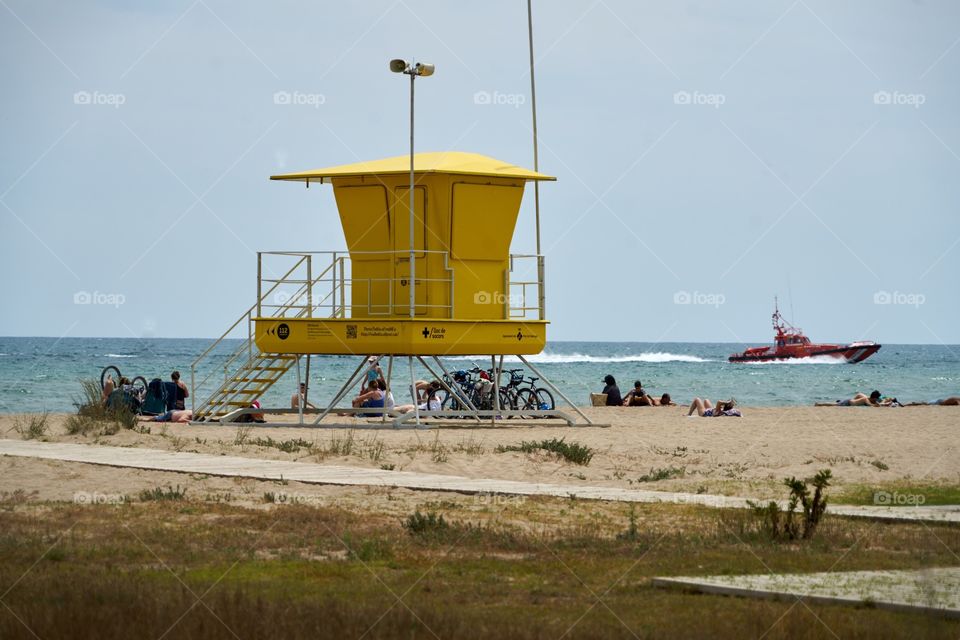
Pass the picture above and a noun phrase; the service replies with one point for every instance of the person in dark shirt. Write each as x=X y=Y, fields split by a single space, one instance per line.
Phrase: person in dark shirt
x=637 y=397
x=614 y=399
x=181 y=391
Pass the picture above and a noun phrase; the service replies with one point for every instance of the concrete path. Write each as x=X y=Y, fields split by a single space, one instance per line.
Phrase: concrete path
x=313 y=473
x=928 y=590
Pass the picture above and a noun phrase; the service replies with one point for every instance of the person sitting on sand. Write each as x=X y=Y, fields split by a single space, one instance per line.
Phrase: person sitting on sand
x=706 y=410
x=174 y=415
x=614 y=399
x=637 y=397
x=297 y=396
x=951 y=401
x=374 y=373
x=108 y=386
x=181 y=391
x=862 y=400
x=431 y=403
x=374 y=397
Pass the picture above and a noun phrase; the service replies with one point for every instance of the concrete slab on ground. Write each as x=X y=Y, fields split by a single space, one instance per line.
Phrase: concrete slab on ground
x=934 y=591
x=313 y=473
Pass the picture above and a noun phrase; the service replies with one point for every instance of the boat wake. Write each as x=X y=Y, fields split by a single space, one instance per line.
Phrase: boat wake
x=571 y=358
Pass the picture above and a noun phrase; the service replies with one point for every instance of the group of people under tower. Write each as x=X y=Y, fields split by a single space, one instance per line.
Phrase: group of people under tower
x=375 y=394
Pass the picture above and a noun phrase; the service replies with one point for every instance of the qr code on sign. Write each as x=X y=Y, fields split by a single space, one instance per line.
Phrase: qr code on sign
x=352 y=331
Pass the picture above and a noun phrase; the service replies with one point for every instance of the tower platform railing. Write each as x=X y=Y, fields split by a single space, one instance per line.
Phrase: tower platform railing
x=325 y=284
x=320 y=284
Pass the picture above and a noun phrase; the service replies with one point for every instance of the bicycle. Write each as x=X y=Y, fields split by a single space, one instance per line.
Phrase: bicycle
x=529 y=397
x=139 y=383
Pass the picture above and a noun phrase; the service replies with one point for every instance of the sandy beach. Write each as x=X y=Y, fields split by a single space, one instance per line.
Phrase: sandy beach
x=656 y=449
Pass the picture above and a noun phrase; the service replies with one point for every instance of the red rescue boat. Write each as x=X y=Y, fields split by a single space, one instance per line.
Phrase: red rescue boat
x=790 y=343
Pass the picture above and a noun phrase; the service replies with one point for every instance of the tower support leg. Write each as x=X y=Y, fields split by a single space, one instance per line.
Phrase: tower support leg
x=342 y=392
x=555 y=389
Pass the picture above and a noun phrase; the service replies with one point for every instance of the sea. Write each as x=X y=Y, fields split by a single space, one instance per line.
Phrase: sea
x=44 y=374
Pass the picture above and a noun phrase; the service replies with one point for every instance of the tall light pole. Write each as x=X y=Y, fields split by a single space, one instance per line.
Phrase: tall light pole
x=413 y=70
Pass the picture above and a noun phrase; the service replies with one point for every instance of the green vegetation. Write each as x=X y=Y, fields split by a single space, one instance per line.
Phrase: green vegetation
x=569 y=451
x=31 y=426
x=664 y=473
x=303 y=571
x=159 y=493
x=287 y=446
x=93 y=417
x=782 y=524
x=900 y=494
x=426 y=525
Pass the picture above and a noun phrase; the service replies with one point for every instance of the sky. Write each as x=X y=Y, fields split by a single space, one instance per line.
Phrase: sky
x=710 y=156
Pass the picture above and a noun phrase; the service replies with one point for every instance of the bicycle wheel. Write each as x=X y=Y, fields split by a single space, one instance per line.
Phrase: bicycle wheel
x=506 y=403
x=527 y=399
x=545 y=400
x=108 y=371
x=140 y=386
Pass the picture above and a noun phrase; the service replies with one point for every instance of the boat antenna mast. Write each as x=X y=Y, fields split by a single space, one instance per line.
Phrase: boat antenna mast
x=781 y=326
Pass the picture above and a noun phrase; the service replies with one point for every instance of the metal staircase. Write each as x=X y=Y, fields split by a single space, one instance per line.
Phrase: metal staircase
x=248 y=383
x=247 y=372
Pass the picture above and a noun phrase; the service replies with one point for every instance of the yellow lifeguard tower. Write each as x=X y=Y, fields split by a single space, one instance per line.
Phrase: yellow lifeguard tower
x=469 y=294
x=465 y=211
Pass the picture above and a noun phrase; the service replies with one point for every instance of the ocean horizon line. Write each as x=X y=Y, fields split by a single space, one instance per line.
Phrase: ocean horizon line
x=565 y=341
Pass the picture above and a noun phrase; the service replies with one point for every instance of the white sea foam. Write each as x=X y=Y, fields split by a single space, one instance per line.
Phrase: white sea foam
x=569 y=358
x=118 y=355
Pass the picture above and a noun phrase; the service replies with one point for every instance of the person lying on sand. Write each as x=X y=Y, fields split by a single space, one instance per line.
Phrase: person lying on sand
x=664 y=401
x=863 y=400
x=176 y=415
x=706 y=410
x=952 y=401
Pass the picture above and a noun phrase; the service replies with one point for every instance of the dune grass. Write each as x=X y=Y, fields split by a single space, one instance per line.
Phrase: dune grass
x=570 y=451
x=93 y=417
x=31 y=426
x=292 y=571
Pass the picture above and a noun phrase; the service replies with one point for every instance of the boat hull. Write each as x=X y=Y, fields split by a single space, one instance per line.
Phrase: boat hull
x=852 y=353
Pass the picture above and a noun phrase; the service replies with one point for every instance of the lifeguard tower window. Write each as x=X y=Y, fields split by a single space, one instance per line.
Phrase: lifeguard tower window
x=484 y=217
x=371 y=231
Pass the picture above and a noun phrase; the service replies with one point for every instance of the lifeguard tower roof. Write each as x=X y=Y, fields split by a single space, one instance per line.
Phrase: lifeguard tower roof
x=449 y=162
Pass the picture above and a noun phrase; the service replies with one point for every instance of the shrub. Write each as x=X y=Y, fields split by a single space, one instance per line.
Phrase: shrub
x=783 y=524
x=569 y=451
x=287 y=446
x=92 y=415
x=632 y=532
x=664 y=473
x=426 y=524
x=159 y=493
x=31 y=426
